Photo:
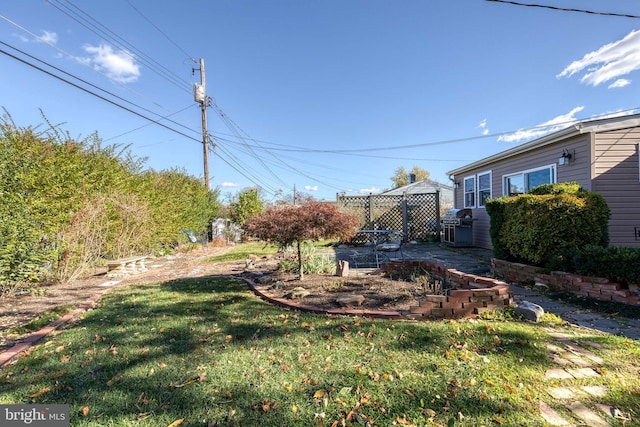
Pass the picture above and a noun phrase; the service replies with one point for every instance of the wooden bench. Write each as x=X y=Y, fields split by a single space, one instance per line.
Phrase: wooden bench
x=126 y=266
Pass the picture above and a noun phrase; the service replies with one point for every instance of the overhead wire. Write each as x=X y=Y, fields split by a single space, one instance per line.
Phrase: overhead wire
x=566 y=9
x=93 y=93
x=244 y=141
x=91 y=84
x=235 y=163
x=160 y=31
x=90 y=23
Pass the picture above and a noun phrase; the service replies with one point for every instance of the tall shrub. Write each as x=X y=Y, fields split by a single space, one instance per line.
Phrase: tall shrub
x=246 y=205
x=177 y=201
x=549 y=221
x=65 y=204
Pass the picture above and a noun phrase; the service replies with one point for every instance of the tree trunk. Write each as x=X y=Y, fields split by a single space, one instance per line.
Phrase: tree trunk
x=300 y=261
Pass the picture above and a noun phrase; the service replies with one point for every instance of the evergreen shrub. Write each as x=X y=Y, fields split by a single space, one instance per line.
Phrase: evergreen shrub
x=549 y=221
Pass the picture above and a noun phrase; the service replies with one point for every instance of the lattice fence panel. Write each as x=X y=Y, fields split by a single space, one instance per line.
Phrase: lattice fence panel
x=423 y=216
x=386 y=212
x=416 y=215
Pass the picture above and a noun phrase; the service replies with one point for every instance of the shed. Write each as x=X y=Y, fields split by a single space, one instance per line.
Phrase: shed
x=602 y=155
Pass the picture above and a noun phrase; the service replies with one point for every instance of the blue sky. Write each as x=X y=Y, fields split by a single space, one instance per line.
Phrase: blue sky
x=328 y=96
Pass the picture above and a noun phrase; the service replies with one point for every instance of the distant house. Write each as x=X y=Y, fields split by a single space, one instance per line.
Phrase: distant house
x=425 y=186
x=602 y=155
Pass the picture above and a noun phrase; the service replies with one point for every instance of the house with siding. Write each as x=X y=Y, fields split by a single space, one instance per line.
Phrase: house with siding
x=426 y=186
x=602 y=155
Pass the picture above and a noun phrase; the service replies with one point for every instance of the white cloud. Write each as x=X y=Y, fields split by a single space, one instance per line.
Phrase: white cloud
x=311 y=188
x=483 y=126
x=372 y=190
x=619 y=83
x=229 y=185
x=117 y=65
x=609 y=62
x=48 y=37
x=553 y=125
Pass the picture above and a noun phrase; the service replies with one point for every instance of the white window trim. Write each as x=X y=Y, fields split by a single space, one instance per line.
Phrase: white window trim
x=464 y=191
x=554 y=176
x=478 y=198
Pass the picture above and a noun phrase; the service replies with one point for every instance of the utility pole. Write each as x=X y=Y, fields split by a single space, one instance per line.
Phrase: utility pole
x=200 y=95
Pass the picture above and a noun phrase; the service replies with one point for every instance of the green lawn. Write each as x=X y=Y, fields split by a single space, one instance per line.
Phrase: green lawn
x=205 y=352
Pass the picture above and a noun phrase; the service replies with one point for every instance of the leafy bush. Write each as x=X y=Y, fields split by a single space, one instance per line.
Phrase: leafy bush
x=312 y=262
x=551 y=220
x=618 y=264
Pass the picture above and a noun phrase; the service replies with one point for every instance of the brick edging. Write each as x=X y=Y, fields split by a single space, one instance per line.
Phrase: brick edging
x=33 y=338
x=283 y=302
x=473 y=295
x=593 y=287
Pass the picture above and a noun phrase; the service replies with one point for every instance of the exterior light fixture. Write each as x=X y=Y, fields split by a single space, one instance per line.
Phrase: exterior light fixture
x=566 y=157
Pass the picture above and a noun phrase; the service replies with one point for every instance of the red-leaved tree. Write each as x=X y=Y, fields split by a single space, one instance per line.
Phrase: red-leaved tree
x=312 y=221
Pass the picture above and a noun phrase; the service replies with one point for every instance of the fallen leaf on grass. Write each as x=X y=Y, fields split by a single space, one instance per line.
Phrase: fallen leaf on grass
x=319 y=394
x=198 y=379
x=40 y=392
x=85 y=411
x=176 y=423
x=57 y=375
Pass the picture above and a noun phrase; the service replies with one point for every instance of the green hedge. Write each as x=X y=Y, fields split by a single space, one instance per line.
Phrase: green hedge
x=618 y=264
x=549 y=221
x=65 y=204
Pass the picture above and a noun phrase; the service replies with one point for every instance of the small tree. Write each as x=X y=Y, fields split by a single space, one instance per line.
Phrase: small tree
x=401 y=177
x=312 y=221
x=247 y=204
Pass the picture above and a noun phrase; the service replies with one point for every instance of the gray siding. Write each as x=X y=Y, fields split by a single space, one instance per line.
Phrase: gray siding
x=616 y=175
x=577 y=170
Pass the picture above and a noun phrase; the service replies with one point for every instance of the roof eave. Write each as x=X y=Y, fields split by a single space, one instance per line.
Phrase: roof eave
x=523 y=148
x=597 y=125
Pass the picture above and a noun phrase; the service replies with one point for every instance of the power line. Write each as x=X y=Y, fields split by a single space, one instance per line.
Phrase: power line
x=101 y=30
x=566 y=9
x=94 y=94
x=91 y=84
x=160 y=31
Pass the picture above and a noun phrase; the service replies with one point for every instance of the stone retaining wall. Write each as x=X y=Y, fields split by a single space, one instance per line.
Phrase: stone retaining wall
x=472 y=295
x=593 y=287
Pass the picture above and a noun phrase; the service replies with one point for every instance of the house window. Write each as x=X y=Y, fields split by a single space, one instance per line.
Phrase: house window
x=470 y=192
x=522 y=182
x=484 y=188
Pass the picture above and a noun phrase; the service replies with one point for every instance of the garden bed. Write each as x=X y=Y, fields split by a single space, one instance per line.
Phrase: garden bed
x=416 y=289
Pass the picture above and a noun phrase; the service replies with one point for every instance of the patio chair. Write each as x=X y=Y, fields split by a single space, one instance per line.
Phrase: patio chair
x=392 y=244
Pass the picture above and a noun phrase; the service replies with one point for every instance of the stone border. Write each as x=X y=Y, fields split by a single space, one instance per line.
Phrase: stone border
x=473 y=295
x=593 y=287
